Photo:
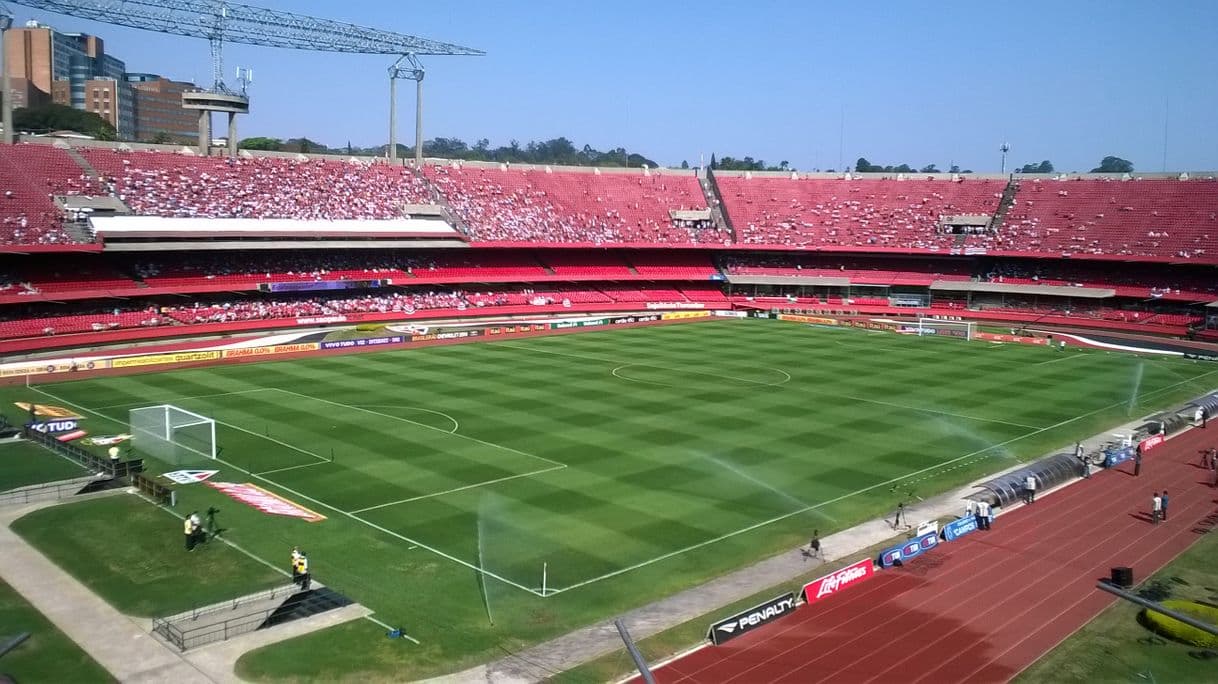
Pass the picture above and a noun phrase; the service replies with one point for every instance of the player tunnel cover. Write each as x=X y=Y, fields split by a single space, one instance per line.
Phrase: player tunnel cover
x=748 y=620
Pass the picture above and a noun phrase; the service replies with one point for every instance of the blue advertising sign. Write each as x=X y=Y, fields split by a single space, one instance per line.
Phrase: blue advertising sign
x=903 y=553
x=54 y=427
x=1115 y=457
x=959 y=527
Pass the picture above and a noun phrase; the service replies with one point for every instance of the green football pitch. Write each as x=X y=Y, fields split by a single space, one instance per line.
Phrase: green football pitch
x=543 y=483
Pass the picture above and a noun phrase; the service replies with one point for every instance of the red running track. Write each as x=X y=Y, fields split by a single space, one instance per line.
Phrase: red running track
x=985 y=607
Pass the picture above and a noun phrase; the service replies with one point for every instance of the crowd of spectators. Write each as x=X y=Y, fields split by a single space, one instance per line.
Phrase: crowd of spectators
x=510 y=205
x=889 y=213
x=174 y=185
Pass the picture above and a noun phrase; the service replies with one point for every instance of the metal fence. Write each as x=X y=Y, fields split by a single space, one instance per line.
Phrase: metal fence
x=92 y=462
x=222 y=621
x=51 y=491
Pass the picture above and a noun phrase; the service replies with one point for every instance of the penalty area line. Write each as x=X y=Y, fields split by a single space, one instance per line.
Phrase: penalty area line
x=454 y=490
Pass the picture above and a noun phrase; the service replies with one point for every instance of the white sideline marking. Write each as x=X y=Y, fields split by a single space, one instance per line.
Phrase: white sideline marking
x=785 y=380
x=390 y=628
x=456 y=425
x=295 y=467
x=552 y=591
x=1064 y=358
x=454 y=490
x=323 y=504
x=422 y=425
x=179 y=398
x=930 y=410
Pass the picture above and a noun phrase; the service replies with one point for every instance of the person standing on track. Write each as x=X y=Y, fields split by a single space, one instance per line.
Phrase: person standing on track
x=900 y=516
x=1156 y=508
x=1137 y=462
x=1163 y=504
x=814 y=545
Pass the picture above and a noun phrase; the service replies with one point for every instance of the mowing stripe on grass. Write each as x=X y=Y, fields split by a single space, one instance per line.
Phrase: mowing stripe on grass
x=306 y=497
x=919 y=409
x=422 y=425
x=864 y=490
x=785 y=380
x=147 y=402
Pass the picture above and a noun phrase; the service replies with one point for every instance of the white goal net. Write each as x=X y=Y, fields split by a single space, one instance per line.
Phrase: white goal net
x=959 y=329
x=172 y=434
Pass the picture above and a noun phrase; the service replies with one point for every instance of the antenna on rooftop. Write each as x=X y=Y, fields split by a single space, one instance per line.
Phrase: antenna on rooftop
x=1006 y=147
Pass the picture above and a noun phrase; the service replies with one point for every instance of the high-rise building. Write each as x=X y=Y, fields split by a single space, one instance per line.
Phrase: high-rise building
x=158 y=108
x=71 y=69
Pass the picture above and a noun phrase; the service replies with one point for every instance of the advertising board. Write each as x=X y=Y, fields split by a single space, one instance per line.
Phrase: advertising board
x=747 y=620
x=834 y=582
x=156 y=359
x=907 y=551
x=959 y=527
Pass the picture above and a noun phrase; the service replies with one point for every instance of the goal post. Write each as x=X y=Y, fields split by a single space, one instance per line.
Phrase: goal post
x=964 y=330
x=172 y=434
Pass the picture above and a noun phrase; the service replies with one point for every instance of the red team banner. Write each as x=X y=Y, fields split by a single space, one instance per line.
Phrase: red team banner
x=836 y=581
x=1151 y=442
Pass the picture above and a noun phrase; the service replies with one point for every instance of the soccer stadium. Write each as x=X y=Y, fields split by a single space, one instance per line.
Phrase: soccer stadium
x=284 y=415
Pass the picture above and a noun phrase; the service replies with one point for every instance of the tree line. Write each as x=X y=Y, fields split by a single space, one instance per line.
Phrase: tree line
x=559 y=151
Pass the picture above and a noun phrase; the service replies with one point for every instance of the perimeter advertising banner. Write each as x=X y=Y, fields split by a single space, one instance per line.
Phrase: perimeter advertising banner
x=247 y=352
x=158 y=359
x=682 y=315
x=834 y=582
x=800 y=318
x=363 y=342
x=747 y=620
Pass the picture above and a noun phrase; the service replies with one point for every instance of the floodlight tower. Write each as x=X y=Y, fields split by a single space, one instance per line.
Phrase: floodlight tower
x=1004 y=148
x=409 y=68
x=6 y=116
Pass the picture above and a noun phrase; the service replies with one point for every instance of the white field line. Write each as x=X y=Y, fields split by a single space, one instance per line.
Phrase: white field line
x=422 y=425
x=456 y=425
x=390 y=628
x=454 y=490
x=937 y=411
x=785 y=380
x=323 y=504
x=1075 y=355
x=864 y=490
x=200 y=396
x=295 y=467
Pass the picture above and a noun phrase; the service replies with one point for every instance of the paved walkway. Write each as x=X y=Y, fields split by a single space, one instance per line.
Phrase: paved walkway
x=578 y=647
x=123 y=644
x=117 y=642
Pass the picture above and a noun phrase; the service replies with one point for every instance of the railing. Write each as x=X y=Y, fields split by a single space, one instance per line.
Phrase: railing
x=192 y=628
x=92 y=462
x=43 y=492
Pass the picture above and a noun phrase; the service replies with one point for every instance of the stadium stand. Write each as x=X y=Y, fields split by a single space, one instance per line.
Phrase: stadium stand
x=180 y=185
x=857 y=212
x=1149 y=218
x=542 y=206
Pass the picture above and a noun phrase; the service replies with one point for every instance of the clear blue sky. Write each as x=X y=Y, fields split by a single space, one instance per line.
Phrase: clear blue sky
x=919 y=82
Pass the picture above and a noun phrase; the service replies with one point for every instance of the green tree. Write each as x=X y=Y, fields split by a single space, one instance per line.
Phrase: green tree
x=1114 y=165
x=162 y=138
x=863 y=166
x=264 y=144
x=56 y=117
x=929 y=168
x=1045 y=166
x=684 y=164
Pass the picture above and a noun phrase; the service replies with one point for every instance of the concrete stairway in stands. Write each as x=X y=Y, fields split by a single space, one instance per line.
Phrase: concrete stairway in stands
x=710 y=189
x=438 y=197
x=1004 y=205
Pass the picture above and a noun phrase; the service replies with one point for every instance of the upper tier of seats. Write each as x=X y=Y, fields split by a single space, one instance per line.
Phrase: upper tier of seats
x=176 y=185
x=540 y=206
x=1161 y=218
x=1158 y=218
x=853 y=212
x=29 y=176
